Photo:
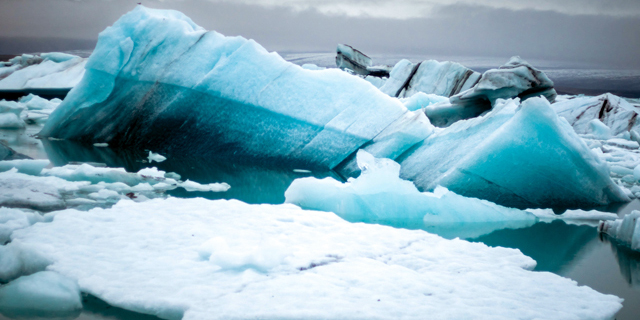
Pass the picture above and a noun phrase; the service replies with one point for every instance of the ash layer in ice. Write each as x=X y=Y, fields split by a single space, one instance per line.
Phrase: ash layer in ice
x=157 y=81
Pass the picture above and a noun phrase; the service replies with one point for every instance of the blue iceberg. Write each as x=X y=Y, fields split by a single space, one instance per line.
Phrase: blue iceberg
x=157 y=81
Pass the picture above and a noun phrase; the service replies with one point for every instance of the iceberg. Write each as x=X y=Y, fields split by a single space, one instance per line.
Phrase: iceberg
x=429 y=76
x=615 y=113
x=506 y=156
x=378 y=194
x=357 y=62
x=201 y=259
x=625 y=230
x=187 y=90
x=47 y=70
x=517 y=78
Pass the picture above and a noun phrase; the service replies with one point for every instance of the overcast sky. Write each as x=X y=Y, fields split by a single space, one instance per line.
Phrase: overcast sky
x=606 y=33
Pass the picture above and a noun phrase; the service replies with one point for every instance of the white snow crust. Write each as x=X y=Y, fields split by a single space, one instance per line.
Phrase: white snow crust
x=202 y=259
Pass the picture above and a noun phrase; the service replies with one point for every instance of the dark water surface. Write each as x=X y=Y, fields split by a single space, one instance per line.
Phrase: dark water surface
x=574 y=251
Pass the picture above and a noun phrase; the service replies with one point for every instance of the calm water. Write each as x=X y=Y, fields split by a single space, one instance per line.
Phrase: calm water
x=574 y=251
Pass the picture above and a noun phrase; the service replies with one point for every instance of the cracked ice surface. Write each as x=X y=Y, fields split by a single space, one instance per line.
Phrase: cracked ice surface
x=205 y=259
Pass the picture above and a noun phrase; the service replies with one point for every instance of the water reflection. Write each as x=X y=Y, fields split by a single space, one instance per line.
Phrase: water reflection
x=628 y=261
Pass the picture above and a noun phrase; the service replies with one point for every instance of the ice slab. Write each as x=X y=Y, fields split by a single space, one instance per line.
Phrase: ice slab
x=614 y=112
x=30 y=109
x=378 y=194
x=85 y=186
x=44 y=293
x=517 y=78
x=48 y=70
x=157 y=81
x=201 y=259
x=17 y=259
x=13 y=219
x=506 y=156
x=625 y=230
x=429 y=76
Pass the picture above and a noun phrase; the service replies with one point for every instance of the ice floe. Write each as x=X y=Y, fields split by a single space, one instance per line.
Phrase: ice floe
x=202 y=259
x=27 y=184
x=378 y=194
x=44 y=293
x=47 y=70
x=30 y=109
x=626 y=230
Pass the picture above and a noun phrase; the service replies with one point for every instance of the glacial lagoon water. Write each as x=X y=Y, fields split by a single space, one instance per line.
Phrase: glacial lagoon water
x=574 y=251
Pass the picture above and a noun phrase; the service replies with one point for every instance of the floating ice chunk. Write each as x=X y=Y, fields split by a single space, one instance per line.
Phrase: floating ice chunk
x=19 y=191
x=53 y=70
x=421 y=100
x=11 y=121
x=34 y=102
x=156 y=157
x=225 y=96
x=380 y=195
x=623 y=143
x=44 y=293
x=101 y=144
x=431 y=77
x=507 y=156
x=17 y=259
x=517 y=78
x=13 y=219
x=354 y=60
x=599 y=129
x=213 y=187
x=157 y=268
x=104 y=194
x=616 y=113
x=26 y=166
x=625 y=230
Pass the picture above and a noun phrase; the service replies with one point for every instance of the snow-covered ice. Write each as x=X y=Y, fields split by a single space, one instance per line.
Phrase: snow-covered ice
x=625 y=230
x=44 y=293
x=202 y=259
x=30 y=109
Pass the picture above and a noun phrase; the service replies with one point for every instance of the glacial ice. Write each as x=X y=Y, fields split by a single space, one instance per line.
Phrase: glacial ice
x=378 y=194
x=429 y=76
x=614 y=112
x=18 y=259
x=30 y=109
x=48 y=70
x=625 y=230
x=490 y=157
x=202 y=259
x=44 y=293
x=187 y=90
x=517 y=78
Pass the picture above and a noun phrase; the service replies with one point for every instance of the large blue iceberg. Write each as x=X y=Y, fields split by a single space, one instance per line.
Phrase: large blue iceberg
x=158 y=81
